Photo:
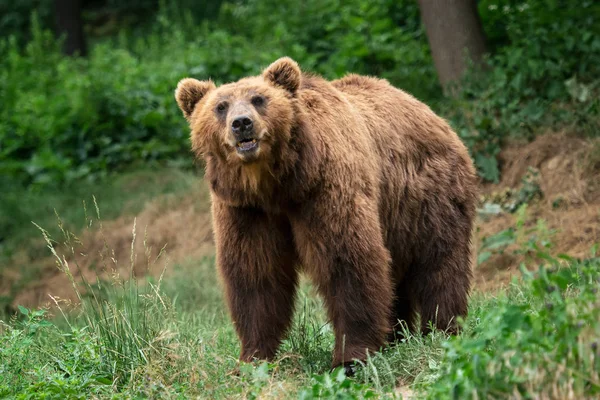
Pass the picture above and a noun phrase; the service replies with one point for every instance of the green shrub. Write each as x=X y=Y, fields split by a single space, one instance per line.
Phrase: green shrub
x=543 y=73
x=38 y=360
x=63 y=118
x=382 y=38
x=540 y=341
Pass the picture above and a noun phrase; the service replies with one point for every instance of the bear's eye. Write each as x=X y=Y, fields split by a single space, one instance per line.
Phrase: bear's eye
x=221 y=107
x=258 y=101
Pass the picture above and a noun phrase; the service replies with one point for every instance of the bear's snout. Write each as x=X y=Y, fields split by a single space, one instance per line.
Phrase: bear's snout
x=241 y=126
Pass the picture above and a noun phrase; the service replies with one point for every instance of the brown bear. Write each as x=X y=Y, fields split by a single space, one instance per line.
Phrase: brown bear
x=355 y=183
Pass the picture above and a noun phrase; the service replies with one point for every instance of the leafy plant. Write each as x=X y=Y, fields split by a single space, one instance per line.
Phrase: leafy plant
x=336 y=386
x=531 y=242
x=65 y=118
x=538 y=341
x=257 y=378
x=545 y=61
x=38 y=360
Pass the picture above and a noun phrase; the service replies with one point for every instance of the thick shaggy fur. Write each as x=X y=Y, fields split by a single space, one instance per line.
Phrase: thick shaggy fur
x=356 y=183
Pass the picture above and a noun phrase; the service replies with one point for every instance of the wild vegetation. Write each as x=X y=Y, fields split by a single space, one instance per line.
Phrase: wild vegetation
x=118 y=109
x=170 y=338
x=107 y=125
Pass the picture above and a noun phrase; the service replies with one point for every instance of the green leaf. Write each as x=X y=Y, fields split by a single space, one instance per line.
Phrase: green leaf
x=488 y=166
x=23 y=310
x=499 y=240
x=483 y=257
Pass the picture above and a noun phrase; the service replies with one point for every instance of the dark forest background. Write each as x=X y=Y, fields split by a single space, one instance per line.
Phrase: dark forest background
x=86 y=85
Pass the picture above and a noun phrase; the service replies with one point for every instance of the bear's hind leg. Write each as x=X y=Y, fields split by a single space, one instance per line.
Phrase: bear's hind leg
x=358 y=306
x=441 y=289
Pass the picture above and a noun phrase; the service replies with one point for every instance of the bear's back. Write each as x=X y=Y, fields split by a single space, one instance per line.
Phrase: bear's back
x=397 y=122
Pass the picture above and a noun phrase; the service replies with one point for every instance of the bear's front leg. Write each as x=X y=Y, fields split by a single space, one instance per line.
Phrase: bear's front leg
x=256 y=260
x=344 y=252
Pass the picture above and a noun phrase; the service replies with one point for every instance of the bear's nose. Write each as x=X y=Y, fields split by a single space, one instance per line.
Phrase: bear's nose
x=241 y=124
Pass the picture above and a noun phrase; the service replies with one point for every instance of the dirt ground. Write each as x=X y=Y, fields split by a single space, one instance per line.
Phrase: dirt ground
x=168 y=231
x=569 y=179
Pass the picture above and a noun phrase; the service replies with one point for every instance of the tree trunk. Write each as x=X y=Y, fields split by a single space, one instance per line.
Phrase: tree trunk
x=69 y=23
x=455 y=35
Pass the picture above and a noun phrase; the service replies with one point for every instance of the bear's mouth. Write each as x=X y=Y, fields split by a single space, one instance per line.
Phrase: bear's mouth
x=246 y=145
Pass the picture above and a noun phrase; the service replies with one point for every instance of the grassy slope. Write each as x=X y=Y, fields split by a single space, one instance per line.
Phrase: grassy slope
x=23 y=253
x=513 y=342
x=195 y=350
x=172 y=338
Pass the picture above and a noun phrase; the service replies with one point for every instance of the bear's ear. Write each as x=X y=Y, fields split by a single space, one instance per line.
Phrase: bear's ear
x=285 y=73
x=189 y=92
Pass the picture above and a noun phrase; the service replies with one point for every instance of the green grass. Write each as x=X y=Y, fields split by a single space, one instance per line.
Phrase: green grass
x=170 y=337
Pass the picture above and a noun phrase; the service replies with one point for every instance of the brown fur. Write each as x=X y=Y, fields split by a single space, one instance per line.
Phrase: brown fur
x=356 y=183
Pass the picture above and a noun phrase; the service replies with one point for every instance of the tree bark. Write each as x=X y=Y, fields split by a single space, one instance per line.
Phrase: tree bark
x=455 y=35
x=69 y=23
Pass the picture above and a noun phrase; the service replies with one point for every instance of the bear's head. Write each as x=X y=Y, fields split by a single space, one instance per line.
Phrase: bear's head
x=244 y=122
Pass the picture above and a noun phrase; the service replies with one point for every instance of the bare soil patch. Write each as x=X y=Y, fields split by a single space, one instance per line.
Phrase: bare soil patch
x=176 y=228
x=569 y=179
